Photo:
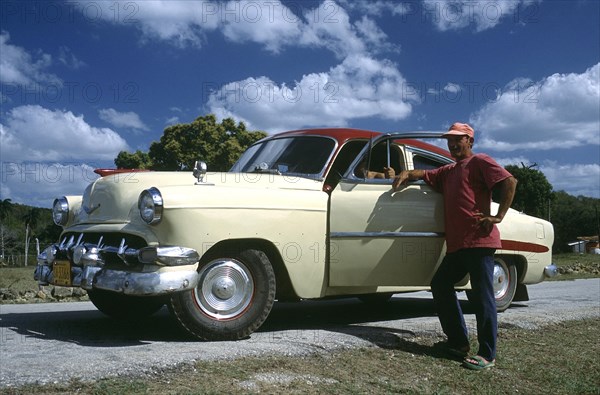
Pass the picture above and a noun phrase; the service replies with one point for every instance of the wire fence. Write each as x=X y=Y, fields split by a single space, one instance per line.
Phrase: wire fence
x=18 y=260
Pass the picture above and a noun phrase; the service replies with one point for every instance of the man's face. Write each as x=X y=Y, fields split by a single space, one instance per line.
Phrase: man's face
x=459 y=146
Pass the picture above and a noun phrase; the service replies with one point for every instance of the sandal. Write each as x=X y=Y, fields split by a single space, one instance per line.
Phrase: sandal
x=478 y=363
x=459 y=352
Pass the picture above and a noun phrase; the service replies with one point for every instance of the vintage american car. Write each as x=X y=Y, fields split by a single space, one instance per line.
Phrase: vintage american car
x=304 y=214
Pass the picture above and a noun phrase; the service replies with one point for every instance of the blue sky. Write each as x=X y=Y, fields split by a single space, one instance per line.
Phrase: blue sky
x=82 y=80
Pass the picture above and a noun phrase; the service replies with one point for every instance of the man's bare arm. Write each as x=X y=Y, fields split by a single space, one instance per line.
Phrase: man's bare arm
x=507 y=189
x=405 y=176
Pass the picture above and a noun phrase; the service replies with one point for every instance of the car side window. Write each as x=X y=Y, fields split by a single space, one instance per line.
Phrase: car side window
x=384 y=155
x=344 y=159
x=422 y=160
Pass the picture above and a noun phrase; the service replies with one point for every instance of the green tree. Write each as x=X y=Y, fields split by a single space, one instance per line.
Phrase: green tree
x=534 y=192
x=5 y=209
x=572 y=217
x=137 y=160
x=218 y=144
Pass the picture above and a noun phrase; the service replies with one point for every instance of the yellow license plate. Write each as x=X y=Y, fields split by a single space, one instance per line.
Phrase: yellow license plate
x=62 y=273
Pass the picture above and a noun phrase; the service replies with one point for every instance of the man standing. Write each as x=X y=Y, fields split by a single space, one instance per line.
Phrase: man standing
x=471 y=240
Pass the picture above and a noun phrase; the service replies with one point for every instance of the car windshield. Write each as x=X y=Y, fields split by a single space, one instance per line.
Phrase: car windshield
x=304 y=156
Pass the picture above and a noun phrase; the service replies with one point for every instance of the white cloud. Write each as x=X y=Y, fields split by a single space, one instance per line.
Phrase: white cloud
x=42 y=153
x=39 y=183
x=379 y=7
x=331 y=30
x=582 y=179
x=129 y=120
x=359 y=87
x=68 y=58
x=183 y=23
x=186 y=23
x=17 y=66
x=560 y=111
x=482 y=14
x=172 y=121
x=268 y=23
x=35 y=133
x=452 y=88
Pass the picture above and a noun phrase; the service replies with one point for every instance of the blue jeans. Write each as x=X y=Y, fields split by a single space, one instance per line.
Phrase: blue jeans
x=479 y=264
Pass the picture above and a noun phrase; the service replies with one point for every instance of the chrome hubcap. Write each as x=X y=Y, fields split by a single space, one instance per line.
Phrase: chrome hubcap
x=225 y=288
x=500 y=281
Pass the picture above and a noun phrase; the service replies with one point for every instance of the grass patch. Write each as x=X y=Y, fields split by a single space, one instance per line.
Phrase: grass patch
x=574 y=266
x=557 y=359
x=19 y=279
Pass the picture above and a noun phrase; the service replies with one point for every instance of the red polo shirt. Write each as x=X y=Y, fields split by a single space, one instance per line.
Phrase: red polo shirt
x=467 y=188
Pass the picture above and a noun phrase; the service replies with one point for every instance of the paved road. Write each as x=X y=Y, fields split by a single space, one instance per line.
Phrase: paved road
x=53 y=342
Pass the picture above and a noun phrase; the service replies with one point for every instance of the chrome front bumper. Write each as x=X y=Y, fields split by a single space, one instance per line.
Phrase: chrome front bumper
x=158 y=270
x=128 y=283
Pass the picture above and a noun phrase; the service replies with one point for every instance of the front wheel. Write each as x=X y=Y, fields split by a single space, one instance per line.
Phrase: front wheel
x=234 y=296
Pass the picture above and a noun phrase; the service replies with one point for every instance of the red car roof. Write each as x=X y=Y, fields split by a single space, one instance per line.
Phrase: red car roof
x=341 y=135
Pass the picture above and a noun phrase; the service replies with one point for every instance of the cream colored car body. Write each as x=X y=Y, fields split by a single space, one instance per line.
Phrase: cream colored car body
x=324 y=236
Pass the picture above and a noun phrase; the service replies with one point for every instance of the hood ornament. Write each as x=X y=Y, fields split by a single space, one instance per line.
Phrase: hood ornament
x=199 y=172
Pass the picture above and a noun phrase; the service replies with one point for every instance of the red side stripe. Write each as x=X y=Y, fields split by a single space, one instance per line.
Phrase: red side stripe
x=523 y=246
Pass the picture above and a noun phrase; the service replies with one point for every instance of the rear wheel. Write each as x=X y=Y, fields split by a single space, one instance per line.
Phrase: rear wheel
x=505 y=283
x=234 y=296
x=121 y=306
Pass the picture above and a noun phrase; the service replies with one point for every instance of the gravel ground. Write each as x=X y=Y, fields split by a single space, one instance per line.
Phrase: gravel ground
x=54 y=342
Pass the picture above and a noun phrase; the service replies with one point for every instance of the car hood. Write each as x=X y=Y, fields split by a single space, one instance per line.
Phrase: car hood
x=113 y=199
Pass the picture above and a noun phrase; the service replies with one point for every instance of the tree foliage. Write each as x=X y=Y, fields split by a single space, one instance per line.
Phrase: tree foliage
x=534 y=192
x=217 y=144
x=137 y=160
x=18 y=222
x=572 y=217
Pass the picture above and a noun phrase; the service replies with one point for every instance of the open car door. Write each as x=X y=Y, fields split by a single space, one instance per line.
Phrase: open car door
x=380 y=237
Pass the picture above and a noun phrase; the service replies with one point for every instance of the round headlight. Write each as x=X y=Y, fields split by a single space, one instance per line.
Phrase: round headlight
x=60 y=211
x=150 y=204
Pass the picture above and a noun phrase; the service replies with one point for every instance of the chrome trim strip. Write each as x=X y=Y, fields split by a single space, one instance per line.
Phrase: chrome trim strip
x=338 y=235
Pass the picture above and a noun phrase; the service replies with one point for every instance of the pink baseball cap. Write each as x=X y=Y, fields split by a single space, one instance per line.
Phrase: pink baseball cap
x=460 y=129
